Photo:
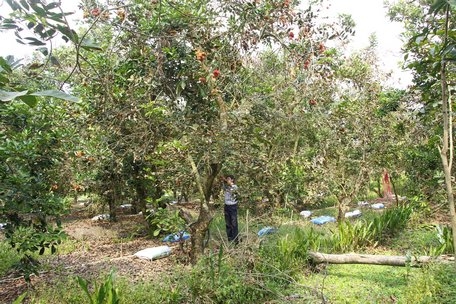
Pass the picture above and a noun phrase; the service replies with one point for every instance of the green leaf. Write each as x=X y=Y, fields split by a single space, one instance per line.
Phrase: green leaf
x=437 y=6
x=8 y=26
x=29 y=100
x=34 y=41
x=13 y=4
x=90 y=45
x=101 y=293
x=85 y=287
x=59 y=17
x=39 y=28
x=43 y=50
x=56 y=94
x=5 y=65
x=3 y=79
x=50 y=33
x=38 y=10
x=20 y=298
x=8 y=95
x=68 y=33
x=52 y=5
x=54 y=61
x=25 y=4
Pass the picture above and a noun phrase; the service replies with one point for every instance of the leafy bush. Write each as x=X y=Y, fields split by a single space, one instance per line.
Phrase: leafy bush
x=164 y=221
x=390 y=222
x=34 y=177
x=28 y=239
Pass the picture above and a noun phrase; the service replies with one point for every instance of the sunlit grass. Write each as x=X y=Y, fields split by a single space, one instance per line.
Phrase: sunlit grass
x=278 y=266
x=359 y=283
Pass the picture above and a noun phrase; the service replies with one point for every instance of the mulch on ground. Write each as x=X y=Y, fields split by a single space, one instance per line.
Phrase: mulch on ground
x=98 y=247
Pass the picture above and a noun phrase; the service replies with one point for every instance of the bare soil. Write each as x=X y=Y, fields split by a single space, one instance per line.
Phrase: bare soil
x=95 y=247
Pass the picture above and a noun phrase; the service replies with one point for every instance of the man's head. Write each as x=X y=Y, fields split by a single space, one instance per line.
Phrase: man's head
x=230 y=177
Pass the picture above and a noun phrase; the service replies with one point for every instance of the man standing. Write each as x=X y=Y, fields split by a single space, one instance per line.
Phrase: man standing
x=230 y=209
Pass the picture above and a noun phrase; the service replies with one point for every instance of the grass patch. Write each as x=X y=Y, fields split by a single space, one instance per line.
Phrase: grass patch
x=416 y=241
x=65 y=290
x=8 y=257
x=273 y=268
x=359 y=283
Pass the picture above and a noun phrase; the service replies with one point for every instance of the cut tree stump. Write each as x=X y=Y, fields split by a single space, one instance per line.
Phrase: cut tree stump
x=390 y=260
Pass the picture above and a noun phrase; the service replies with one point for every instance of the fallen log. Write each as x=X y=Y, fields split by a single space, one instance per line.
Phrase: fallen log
x=389 y=260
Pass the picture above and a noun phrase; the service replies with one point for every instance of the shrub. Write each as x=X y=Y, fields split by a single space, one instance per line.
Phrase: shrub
x=391 y=221
x=27 y=240
x=164 y=221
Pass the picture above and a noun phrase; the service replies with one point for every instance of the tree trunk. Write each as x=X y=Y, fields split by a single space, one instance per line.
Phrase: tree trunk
x=198 y=232
x=394 y=190
x=139 y=184
x=112 y=206
x=353 y=258
x=199 y=228
x=446 y=151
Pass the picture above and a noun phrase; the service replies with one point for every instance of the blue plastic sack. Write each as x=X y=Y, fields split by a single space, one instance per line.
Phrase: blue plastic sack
x=266 y=230
x=323 y=220
x=176 y=237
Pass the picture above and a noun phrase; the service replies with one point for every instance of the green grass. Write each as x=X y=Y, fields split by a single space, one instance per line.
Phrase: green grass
x=8 y=257
x=277 y=269
x=360 y=283
x=338 y=283
x=416 y=241
x=65 y=291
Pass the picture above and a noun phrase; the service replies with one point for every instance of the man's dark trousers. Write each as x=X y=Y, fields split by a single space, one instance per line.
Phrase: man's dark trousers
x=231 y=223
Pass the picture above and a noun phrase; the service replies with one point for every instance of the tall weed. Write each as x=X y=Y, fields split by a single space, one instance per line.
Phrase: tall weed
x=288 y=250
x=445 y=237
x=352 y=236
x=105 y=293
x=222 y=279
